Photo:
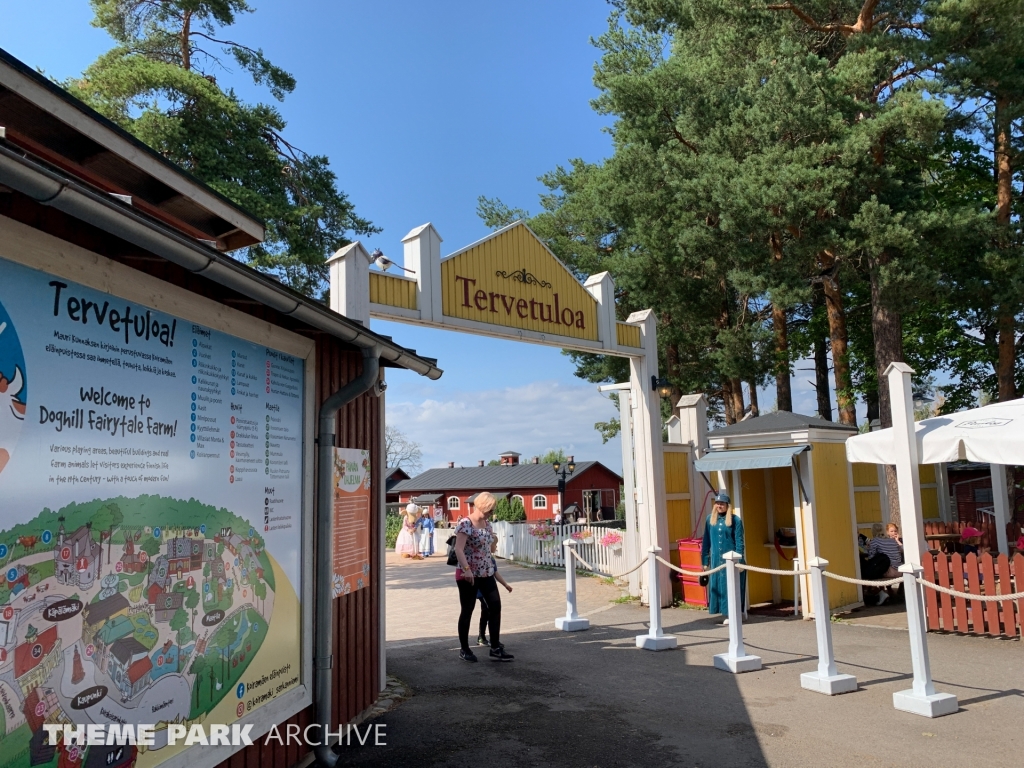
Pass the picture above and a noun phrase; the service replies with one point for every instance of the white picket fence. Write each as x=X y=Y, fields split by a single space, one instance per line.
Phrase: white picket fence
x=515 y=543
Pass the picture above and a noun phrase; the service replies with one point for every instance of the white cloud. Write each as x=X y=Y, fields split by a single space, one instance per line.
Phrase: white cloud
x=465 y=427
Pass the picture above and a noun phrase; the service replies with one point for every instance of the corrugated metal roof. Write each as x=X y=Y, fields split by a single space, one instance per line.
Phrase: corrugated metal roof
x=755 y=458
x=780 y=421
x=489 y=478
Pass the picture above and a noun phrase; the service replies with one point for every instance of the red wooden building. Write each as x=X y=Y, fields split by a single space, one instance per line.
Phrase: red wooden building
x=593 y=488
x=84 y=200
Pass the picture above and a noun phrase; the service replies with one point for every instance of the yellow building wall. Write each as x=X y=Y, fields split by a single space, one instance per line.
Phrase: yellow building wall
x=516 y=265
x=834 y=518
x=392 y=291
x=755 y=533
x=677 y=481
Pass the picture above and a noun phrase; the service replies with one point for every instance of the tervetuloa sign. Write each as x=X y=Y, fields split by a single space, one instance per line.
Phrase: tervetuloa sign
x=510 y=285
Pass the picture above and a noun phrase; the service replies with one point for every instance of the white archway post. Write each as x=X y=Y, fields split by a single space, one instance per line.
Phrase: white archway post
x=648 y=455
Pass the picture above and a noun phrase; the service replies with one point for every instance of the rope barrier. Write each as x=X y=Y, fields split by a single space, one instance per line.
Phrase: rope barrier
x=688 y=573
x=770 y=571
x=863 y=582
x=586 y=565
x=968 y=596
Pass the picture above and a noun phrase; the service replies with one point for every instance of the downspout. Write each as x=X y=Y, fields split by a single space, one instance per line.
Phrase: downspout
x=324 y=611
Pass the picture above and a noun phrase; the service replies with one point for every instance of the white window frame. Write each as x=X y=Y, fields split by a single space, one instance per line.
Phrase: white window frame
x=456 y=505
x=544 y=500
x=521 y=500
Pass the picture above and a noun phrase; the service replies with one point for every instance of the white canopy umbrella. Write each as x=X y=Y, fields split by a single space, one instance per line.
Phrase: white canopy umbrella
x=993 y=434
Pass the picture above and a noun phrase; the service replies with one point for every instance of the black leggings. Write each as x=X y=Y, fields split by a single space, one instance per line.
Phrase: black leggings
x=485 y=615
x=488 y=587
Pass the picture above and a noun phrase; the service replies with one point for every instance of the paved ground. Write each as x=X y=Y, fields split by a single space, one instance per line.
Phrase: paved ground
x=592 y=699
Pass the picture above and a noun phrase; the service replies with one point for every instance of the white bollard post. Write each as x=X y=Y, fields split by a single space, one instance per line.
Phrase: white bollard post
x=922 y=698
x=655 y=639
x=826 y=679
x=571 y=622
x=736 y=660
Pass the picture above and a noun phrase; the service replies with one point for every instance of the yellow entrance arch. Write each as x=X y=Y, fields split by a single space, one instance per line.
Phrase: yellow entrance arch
x=510 y=285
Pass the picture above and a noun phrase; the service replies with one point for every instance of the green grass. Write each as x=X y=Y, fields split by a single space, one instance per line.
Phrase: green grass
x=625 y=599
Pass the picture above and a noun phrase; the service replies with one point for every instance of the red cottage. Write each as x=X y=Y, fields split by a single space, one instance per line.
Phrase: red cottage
x=593 y=488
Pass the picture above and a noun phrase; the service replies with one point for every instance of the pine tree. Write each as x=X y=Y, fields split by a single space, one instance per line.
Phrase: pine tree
x=160 y=82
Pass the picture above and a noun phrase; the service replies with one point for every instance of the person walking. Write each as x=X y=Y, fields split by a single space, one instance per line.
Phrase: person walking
x=723 y=533
x=475 y=573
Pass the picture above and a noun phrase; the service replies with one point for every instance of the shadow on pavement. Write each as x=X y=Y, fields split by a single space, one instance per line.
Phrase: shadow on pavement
x=564 y=701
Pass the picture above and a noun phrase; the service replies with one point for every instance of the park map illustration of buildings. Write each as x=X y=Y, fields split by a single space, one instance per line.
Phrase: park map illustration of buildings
x=106 y=617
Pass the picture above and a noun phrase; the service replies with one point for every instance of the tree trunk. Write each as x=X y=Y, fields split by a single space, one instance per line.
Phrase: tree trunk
x=186 y=41
x=887 y=329
x=1007 y=389
x=754 y=409
x=846 y=405
x=730 y=416
x=737 y=399
x=783 y=382
x=821 y=378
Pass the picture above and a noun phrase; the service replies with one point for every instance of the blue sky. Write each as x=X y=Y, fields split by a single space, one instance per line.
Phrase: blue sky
x=422 y=107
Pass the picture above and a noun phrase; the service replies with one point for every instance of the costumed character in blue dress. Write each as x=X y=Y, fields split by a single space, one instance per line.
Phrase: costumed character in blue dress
x=723 y=532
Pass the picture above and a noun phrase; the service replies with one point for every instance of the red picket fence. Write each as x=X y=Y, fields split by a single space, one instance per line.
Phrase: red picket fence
x=984 y=575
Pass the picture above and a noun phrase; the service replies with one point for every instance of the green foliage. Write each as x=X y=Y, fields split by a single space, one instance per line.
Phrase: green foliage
x=761 y=153
x=392 y=527
x=553 y=455
x=509 y=510
x=160 y=82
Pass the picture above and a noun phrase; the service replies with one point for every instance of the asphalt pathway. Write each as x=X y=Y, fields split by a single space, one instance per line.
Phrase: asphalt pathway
x=591 y=699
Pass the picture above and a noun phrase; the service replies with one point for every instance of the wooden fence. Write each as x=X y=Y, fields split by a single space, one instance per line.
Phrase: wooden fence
x=516 y=543
x=984 y=575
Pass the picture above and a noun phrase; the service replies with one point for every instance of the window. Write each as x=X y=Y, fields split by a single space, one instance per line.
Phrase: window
x=540 y=501
x=453 y=502
x=520 y=500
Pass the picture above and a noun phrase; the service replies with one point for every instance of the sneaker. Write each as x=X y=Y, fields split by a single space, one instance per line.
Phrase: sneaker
x=482 y=640
x=882 y=597
x=467 y=655
x=498 y=654
x=725 y=623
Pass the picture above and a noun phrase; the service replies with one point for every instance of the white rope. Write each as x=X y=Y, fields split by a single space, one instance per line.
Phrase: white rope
x=770 y=571
x=689 y=573
x=589 y=567
x=586 y=565
x=863 y=582
x=968 y=596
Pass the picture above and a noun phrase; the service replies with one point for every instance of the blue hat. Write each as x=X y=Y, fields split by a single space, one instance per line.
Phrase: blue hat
x=722 y=498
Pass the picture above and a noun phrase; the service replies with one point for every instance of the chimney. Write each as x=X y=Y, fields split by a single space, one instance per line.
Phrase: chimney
x=535 y=460
x=572 y=459
x=480 y=463
x=451 y=465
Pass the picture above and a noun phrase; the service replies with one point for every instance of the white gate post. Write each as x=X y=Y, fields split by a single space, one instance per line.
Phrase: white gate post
x=571 y=622
x=655 y=639
x=922 y=698
x=826 y=679
x=736 y=660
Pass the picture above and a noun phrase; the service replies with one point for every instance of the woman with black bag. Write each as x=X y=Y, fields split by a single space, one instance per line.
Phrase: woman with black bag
x=475 y=573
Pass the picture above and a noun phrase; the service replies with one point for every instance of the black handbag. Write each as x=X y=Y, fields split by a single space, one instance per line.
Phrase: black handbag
x=704 y=580
x=452 y=557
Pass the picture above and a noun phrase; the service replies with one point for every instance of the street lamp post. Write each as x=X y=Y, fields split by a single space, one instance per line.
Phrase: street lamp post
x=561 y=474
